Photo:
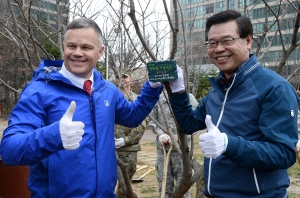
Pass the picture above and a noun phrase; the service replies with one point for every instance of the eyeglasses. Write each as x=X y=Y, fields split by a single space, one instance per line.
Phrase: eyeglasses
x=124 y=75
x=225 y=43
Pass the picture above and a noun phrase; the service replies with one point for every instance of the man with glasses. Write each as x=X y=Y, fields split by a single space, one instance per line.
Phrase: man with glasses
x=250 y=115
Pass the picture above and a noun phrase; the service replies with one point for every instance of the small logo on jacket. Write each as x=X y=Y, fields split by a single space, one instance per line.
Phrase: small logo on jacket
x=106 y=103
x=292 y=113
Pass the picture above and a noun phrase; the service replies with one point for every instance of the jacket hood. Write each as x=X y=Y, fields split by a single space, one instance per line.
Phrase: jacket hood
x=45 y=68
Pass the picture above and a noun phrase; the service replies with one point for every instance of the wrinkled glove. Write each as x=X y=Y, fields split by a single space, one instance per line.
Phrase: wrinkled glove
x=213 y=143
x=119 y=142
x=165 y=139
x=178 y=85
x=70 y=132
x=154 y=84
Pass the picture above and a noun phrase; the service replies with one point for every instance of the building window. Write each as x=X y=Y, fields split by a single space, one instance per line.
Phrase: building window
x=209 y=8
x=201 y=10
x=231 y=4
x=218 y=6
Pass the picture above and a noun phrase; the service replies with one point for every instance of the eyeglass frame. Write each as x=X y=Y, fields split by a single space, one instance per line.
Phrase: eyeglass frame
x=123 y=75
x=221 y=42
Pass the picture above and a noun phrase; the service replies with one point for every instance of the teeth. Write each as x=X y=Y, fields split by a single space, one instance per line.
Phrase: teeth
x=78 y=61
x=222 y=58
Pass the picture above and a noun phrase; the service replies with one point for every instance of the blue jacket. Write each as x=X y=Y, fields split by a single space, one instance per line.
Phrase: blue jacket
x=33 y=138
x=259 y=116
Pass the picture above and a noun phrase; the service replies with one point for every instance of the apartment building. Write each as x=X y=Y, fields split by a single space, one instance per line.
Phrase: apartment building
x=195 y=13
x=47 y=10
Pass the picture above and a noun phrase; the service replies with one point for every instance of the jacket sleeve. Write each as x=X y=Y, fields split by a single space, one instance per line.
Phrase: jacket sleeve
x=135 y=134
x=131 y=114
x=28 y=139
x=278 y=125
x=188 y=119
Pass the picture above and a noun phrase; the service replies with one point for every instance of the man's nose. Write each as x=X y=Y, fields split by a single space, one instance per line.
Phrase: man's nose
x=77 y=51
x=219 y=47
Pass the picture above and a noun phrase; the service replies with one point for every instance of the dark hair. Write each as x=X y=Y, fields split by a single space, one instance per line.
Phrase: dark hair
x=244 y=23
x=86 y=23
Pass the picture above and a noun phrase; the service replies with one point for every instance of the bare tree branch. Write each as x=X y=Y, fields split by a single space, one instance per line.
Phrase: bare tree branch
x=11 y=88
x=26 y=57
x=138 y=32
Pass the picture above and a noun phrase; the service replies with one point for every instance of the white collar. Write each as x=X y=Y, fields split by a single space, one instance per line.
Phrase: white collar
x=77 y=81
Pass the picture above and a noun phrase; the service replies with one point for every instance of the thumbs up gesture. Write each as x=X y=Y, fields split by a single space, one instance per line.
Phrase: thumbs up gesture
x=70 y=132
x=213 y=143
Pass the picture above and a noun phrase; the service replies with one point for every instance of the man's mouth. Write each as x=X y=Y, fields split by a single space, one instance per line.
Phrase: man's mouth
x=78 y=61
x=222 y=58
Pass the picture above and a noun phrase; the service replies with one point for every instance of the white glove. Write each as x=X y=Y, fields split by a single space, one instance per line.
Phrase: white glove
x=178 y=85
x=165 y=139
x=154 y=84
x=213 y=143
x=70 y=132
x=119 y=142
x=298 y=147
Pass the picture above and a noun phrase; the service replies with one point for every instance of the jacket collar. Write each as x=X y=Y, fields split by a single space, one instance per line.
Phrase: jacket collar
x=77 y=81
x=49 y=70
x=243 y=72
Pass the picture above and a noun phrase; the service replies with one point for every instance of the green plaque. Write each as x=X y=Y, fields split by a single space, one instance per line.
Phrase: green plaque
x=159 y=71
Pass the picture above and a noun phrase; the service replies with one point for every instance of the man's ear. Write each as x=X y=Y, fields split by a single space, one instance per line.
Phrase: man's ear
x=101 y=50
x=249 y=41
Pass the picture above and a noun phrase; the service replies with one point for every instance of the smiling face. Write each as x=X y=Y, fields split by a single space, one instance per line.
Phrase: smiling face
x=81 y=51
x=228 y=59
